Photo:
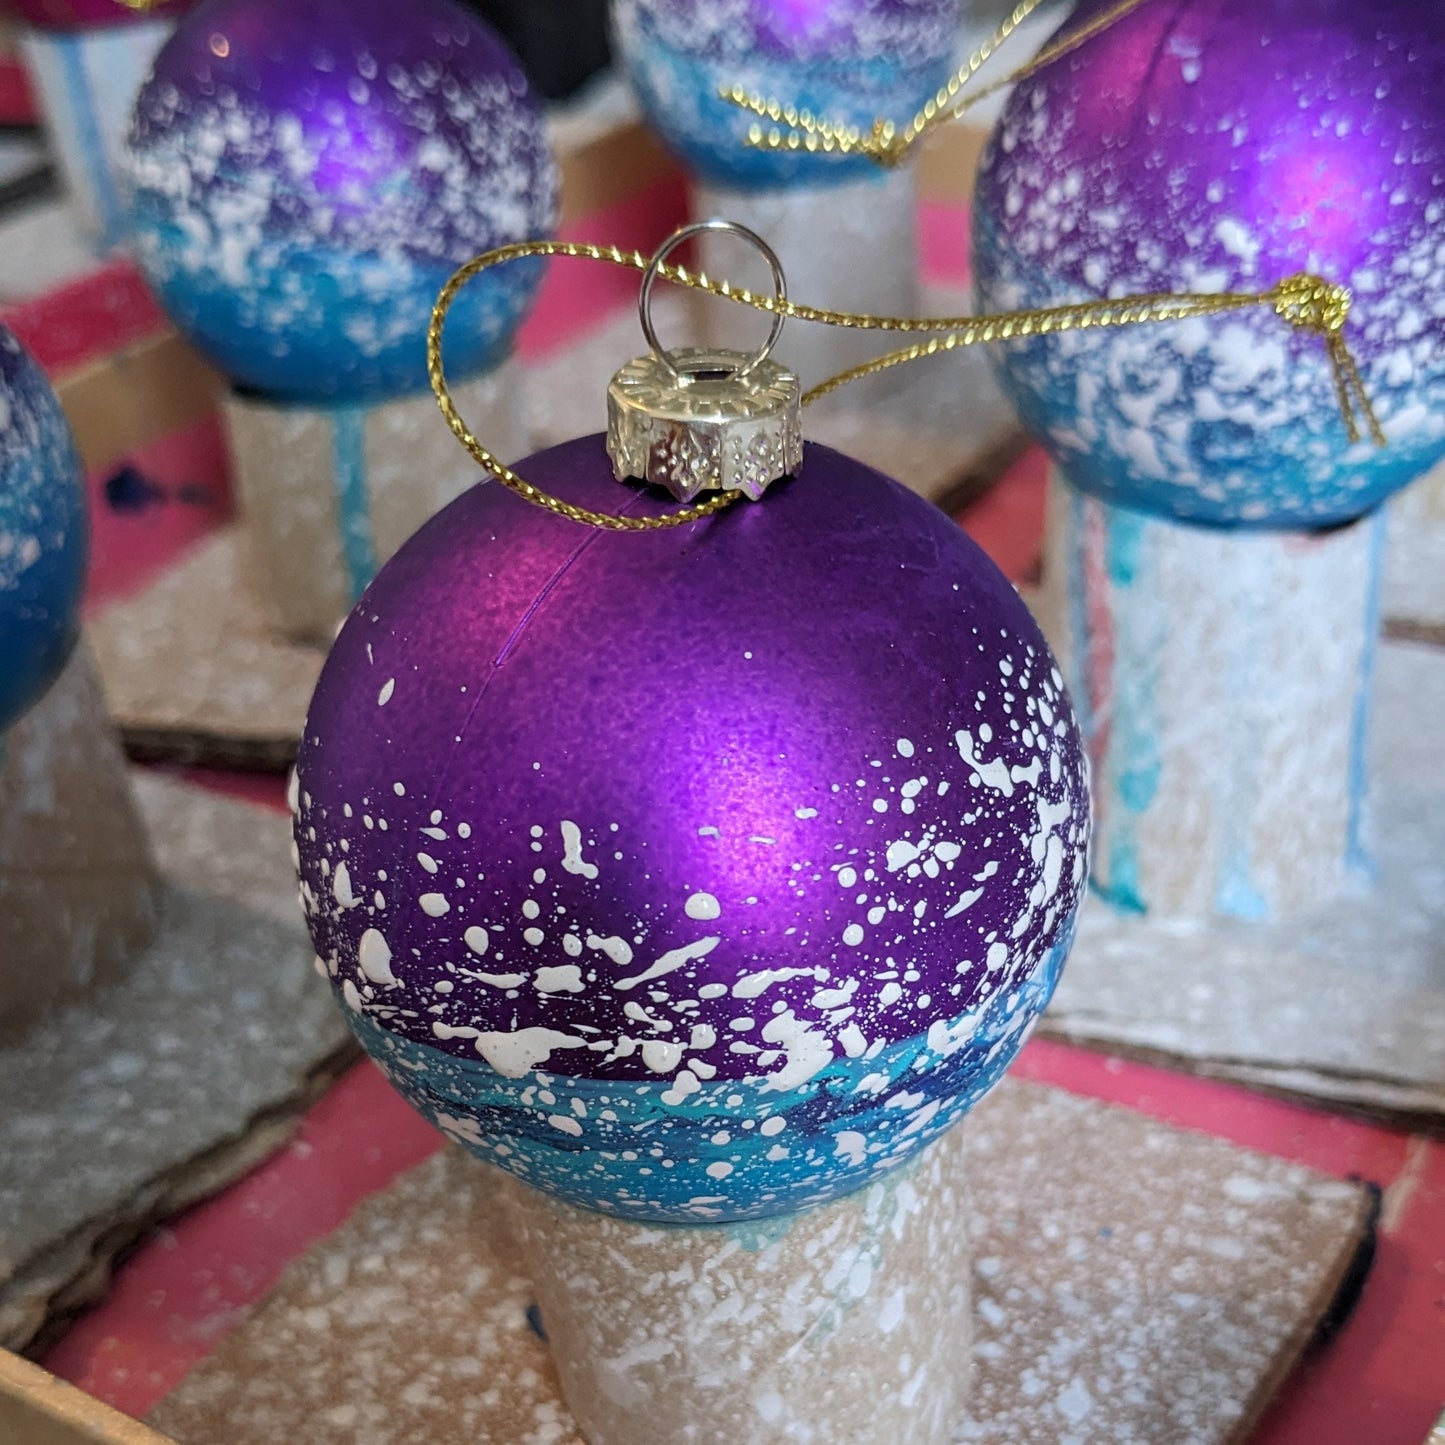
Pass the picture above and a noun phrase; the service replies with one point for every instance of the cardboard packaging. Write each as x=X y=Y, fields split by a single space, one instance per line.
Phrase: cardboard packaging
x=1225 y=684
x=142 y=404
x=1132 y=1282
x=38 y=1409
x=78 y=888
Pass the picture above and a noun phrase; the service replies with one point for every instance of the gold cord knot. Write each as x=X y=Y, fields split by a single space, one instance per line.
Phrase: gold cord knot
x=1322 y=307
x=1313 y=304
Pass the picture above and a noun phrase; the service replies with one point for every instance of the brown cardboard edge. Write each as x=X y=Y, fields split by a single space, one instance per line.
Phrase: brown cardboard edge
x=1408 y=629
x=948 y=161
x=609 y=168
x=1289 y=1355
x=195 y=747
x=36 y=1408
x=96 y=1249
x=1228 y=1071
x=119 y=402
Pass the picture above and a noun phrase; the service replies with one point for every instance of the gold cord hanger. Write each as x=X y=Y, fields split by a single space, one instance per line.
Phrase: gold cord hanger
x=792 y=129
x=1308 y=303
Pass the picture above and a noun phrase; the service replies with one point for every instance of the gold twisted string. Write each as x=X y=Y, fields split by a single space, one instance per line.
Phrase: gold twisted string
x=1308 y=303
x=794 y=129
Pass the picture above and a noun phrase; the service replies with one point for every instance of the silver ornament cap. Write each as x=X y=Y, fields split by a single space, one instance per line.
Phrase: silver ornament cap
x=705 y=419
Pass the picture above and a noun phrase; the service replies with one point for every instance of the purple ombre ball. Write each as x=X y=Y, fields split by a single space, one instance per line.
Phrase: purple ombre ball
x=306 y=175
x=853 y=61
x=1222 y=145
x=694 y=874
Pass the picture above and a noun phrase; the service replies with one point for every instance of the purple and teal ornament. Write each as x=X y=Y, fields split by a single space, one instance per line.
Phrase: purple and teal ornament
x=43 y=533
x=851 y=61
x=696 y=874
x=1222 y=145
x=306 y=174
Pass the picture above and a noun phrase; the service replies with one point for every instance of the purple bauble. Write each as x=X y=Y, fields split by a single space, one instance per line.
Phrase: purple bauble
x=1213 y=145
x=701 y=873
x=43 y=533
x=306 y=175
x=853 y=61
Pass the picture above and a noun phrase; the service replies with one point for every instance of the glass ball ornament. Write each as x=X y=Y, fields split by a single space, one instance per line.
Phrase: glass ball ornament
x=852 y=61
x=696 y=874
x=306 y=174
x=43 y=533
x=1222 y=145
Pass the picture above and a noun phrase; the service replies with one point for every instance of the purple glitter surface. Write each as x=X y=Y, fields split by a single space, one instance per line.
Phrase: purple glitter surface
x=811 y=752
x=375 y=89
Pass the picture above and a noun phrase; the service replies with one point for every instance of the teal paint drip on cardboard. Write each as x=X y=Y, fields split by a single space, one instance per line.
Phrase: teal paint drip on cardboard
x=353 y=499
x=1244 y=675
x=1357 y=854
x=1135 y=764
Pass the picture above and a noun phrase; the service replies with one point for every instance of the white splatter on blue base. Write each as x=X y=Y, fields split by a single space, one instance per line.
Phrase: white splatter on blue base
x=619 y=1146
x=882 y=59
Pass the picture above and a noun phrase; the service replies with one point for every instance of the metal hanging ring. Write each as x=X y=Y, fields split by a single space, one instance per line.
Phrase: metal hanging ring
x=649 y=278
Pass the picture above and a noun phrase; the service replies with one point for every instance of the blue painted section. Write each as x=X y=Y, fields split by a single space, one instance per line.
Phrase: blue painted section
x=89 y=137
x=1236 y=896
x=43 y=534
x=619 y=1145
x=353 y=499
x=680 y=93
x=1357 y=853
x=291 y=327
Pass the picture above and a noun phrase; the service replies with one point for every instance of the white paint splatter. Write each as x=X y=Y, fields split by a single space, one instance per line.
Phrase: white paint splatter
x=670 y=961
x=373 y=957
x=617 y=949
x=702 y=906
x=514 y=1054
x=572 y=859
x=564 y=978
x=341 y=886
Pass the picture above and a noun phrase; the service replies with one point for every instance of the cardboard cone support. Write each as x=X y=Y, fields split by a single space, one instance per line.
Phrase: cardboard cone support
x=78 y=890
x=850 y=1321
x=1223 y=682
x=328 y=493
x=1415 y=555
x=849 y=247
